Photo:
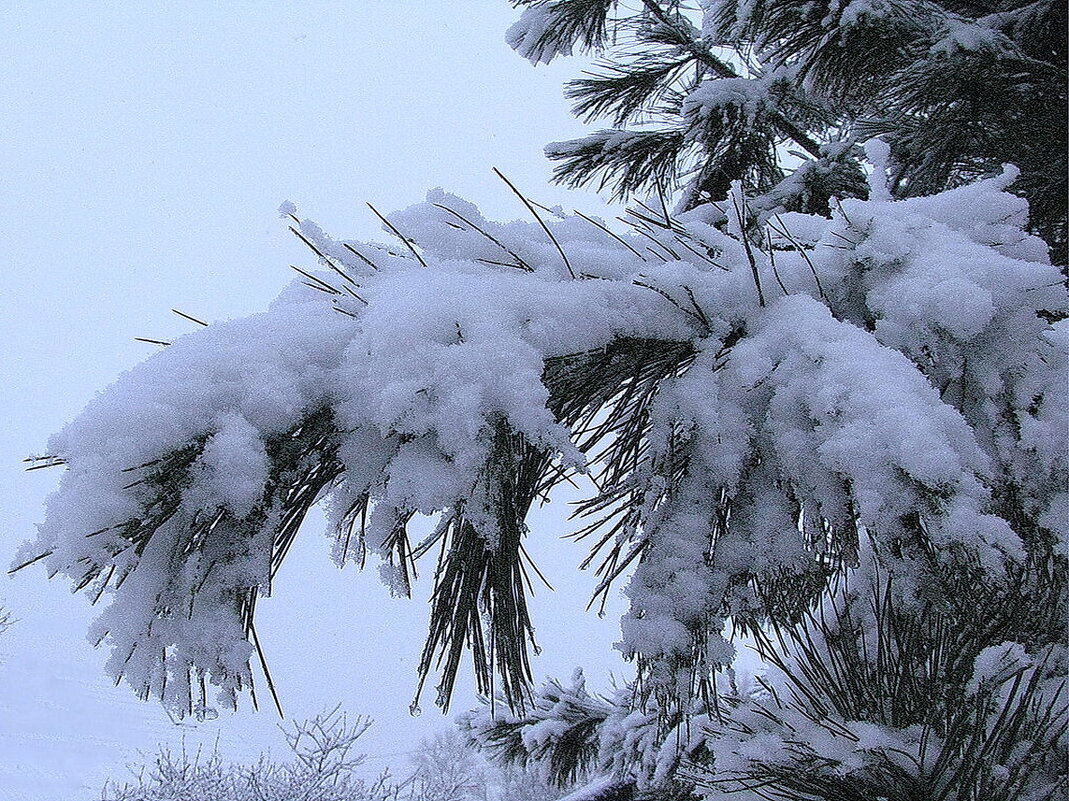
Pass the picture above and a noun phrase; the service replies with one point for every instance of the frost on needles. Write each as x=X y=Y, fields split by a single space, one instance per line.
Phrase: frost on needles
x=761 y=403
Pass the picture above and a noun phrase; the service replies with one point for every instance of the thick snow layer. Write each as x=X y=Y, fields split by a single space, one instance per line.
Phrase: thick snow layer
x=886 y=368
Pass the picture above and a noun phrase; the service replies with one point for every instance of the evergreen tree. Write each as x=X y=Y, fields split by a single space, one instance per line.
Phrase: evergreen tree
x=778 y=94
x=841 y=430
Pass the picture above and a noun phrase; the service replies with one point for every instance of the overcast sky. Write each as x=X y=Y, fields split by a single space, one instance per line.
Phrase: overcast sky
x=144 y=150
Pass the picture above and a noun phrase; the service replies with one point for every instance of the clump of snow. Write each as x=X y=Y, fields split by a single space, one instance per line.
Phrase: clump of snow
x=878 y=153
x=712 y=97
x=997 y=663
x=593 y=790
x=968 y=36
x=537 y=36
x=234 y=467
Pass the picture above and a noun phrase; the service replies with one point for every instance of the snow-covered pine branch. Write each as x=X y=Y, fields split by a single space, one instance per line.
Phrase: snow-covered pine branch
x=860 y=699
x=698 y=95
x=762 y=407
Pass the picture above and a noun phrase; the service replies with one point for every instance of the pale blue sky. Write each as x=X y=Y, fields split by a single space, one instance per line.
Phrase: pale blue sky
x=144 y=150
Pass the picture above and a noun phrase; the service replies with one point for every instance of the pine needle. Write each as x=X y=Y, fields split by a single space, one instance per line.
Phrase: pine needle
x=613 y=234
x=741 y=217
x=190 y=317
x=329 y=262
x=519 y=261
x=318 y=282
x=404 y=239
x=534 y=213
x=267 y=672
x=28 y=562
x=360 y=256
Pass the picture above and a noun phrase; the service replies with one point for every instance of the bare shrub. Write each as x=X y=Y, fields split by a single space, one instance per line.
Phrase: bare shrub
x=325 y=765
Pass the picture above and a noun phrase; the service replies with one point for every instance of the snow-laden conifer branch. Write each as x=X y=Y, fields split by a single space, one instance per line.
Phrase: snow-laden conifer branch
x=551 y=28
x=894 y=389
x=938 y=714
x=698 y=99
x=559 y=730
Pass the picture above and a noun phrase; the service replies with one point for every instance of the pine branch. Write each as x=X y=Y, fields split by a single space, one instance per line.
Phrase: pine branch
x=724 y=70
x=621 y=91
x=569 y=754
x=479 y=601
x=629 y=161
x=583 y=21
